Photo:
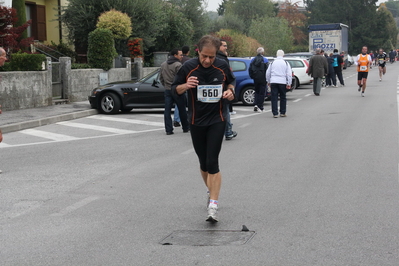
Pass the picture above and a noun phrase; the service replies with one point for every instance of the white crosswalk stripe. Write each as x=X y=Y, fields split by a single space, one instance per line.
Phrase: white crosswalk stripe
x=47 y=135
x=94 y=127
x=126 y=120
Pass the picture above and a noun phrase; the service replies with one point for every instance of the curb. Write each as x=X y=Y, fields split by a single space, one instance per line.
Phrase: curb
x=46 y=121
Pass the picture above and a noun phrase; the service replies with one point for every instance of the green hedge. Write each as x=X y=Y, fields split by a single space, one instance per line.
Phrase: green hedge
x=6 y=67
x=27 y=62
x=101 y=49
x=80 y=66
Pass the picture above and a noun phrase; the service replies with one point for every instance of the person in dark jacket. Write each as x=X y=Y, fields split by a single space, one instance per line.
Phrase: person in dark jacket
x=222 y=54
x=168 y=71
x=257 y=71
x=331 y=79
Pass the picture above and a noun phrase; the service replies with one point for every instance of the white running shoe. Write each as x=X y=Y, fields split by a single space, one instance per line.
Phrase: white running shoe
x=362 y=94
x=212 y=210
x=256 y=108
x=380 y=80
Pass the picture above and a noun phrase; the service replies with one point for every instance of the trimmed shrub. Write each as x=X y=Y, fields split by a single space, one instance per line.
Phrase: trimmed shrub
x=80 y=66
x=117 y=22
x=6 y=67
x=101 y=50
x=27 y=62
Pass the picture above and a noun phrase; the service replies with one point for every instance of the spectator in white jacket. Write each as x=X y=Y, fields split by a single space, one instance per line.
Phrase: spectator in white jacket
x=279 y=78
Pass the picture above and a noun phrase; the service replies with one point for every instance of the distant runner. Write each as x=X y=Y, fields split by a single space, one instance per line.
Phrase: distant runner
x=382 y=59
x=363 y=62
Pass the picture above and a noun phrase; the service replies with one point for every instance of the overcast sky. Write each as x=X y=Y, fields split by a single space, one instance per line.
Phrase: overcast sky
x=213 y=5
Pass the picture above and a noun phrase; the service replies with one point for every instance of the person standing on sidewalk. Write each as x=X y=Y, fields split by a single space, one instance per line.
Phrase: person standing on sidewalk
x=318 y=68
x=3 y=57
x=209 y=83
x=222 y=54
x=176 y=117
x=168 y=71
x=257 y=72
x=363 y=62
x=279 y=78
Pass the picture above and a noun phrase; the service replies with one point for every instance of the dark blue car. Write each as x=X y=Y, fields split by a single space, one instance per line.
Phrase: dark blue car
x=245 y=89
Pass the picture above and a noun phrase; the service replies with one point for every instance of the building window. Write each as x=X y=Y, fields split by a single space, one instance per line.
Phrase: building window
x=37 y=13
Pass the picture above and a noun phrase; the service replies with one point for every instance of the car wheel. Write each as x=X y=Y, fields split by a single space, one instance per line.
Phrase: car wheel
x=297 y=84
x=248 y=96
x=110 y=103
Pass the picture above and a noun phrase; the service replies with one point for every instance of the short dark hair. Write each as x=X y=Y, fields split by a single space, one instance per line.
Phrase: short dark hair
x=174 y=51
x=185 y=49
x=335 y=50
x=209 y=40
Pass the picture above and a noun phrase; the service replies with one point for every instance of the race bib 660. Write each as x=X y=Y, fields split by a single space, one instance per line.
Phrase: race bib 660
x=209 y=93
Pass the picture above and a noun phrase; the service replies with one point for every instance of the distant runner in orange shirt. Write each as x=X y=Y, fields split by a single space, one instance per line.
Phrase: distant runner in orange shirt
x=363 y=62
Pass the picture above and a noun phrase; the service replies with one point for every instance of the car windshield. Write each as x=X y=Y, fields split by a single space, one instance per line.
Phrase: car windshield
x=150 y=77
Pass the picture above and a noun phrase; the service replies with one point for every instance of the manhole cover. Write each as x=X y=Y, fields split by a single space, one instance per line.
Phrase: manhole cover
x=208 y=238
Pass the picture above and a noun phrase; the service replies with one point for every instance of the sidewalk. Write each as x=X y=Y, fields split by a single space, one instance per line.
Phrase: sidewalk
x=28 y=118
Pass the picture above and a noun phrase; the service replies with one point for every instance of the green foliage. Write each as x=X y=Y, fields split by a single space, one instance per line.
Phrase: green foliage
x=27 y=62
x=80 y=66
x=101 y=49
x=193 y=11
x=117 y=22
x=367 y=26
x=6 y=67
x=273 y=33
x=229 y=21
x=80 y=17
x=248 y=10
x=238 y=44
x=64 y=49
x=386 y=23
x=19 y=6
x=393 y=7
x=178 y=30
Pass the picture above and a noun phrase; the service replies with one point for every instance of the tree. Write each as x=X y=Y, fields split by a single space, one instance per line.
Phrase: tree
x=117 y=22
x=178 y=30
x=229 y=21
x=193 y=11
x=248 y=10
x=386 y=23
x=10 y=36
x=80 y=17
x=19 y=6
x=359 y=15
x=239 y=44
x=273 y=33
x=297 y=21
x=222 y=8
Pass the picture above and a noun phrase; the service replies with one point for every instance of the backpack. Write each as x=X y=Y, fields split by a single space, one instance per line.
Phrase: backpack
x=335 y=62
x=258 y=73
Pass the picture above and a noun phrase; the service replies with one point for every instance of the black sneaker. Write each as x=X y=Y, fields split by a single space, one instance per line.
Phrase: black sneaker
x=233 y=135
x=176 y=124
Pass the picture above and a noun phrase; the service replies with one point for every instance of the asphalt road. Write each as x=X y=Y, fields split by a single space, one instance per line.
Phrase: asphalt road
x=319 y=187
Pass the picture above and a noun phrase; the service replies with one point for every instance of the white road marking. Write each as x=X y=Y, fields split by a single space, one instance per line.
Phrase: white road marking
x=297 y=100
x=21 y=208
x=245 y=125
x=75 y=206
x=98 y=128
x=307 y=95
x=47 y=135
x=126 y=120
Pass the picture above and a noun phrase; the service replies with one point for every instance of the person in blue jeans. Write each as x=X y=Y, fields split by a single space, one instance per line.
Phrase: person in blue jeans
x=279 y=76
x=168 y=71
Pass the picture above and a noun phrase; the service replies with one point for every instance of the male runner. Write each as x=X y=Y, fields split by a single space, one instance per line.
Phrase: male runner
x=363 y=62
x=382 y=58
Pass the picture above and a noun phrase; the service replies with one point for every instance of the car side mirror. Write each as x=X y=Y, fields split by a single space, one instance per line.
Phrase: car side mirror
x=155 y=83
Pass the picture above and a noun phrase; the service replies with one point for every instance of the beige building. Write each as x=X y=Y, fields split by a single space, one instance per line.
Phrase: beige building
x=45 y=26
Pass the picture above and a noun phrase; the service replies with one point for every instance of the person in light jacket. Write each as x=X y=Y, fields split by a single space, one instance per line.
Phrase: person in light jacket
x=279 y=76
